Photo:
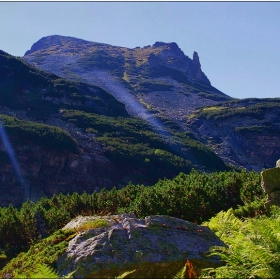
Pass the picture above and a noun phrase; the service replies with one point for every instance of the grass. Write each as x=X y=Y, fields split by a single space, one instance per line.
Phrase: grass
x=26 y=132
x=98 y=223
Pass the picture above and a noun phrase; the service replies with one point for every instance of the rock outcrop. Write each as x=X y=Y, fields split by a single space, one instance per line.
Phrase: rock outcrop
x=196 y=71
x=156 y=247
x=244 y=133
x=271 y=185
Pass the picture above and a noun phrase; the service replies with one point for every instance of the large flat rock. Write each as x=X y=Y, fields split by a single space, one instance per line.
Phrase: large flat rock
x=157 y=247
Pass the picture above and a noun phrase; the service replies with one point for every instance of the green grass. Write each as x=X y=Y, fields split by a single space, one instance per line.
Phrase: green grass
x=98 y=223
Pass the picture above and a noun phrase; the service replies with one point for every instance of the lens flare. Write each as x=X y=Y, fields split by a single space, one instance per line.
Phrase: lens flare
x=14 y=161
x=109 y=83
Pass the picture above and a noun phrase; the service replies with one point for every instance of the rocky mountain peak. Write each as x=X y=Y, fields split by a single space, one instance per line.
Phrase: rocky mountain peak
x=3 y=53
x=196 y=71
x=171 y=48
x=44 y=43
x=171 y=45
x=56 y=40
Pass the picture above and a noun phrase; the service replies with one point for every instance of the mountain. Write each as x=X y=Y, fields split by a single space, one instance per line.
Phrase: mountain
x=82 y=116
x=27 y=88
x=158 y=80
x=72 y=136
x=52 y=153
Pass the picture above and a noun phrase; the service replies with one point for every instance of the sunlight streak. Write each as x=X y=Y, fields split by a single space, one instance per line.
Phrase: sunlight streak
x=109 y=83
x=14 y=161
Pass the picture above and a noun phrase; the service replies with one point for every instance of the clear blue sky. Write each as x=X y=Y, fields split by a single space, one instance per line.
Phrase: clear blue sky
x=238 y=42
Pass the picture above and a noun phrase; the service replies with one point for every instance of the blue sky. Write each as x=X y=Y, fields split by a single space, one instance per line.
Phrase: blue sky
x=238 y=42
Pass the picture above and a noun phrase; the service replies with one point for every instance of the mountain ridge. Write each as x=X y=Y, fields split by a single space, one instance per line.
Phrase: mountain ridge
x=153 y=54
x=147 y=75
x=157 y=77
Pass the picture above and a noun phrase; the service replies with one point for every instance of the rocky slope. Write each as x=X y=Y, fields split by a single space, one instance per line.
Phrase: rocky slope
x=112 y=148
x=35 y=97
x=245 y=133
x=159 y=82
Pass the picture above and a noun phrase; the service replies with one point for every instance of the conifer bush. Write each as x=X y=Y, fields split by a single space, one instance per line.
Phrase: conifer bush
x=194 y=197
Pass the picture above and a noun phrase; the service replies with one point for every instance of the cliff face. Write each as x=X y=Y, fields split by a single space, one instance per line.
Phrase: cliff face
x=48 y=172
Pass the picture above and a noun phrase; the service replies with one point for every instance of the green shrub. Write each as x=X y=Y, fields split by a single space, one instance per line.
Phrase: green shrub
x=50 y=137
x=46 y=253
x=252 y=209
x=129 y=141
x=254 y=108
x=194 y=197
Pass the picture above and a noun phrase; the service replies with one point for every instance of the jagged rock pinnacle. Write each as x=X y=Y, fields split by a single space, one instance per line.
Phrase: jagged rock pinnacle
x=196 y=59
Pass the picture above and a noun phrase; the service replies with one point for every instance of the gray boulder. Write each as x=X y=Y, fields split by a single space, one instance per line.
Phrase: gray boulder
x=271 y=185
x=155 y=247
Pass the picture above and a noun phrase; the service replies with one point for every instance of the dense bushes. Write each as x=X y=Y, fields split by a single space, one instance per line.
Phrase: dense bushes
x=195 y=197
x=133 y=143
